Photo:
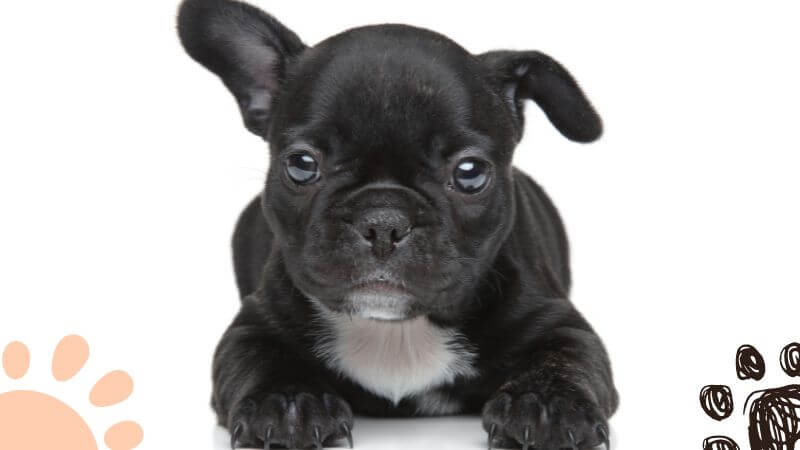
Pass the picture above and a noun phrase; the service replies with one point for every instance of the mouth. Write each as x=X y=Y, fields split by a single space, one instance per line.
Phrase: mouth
x=380 y=300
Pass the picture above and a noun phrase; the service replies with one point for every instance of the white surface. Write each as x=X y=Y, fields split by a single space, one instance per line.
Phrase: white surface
x=387 y=434
x=123 y=166
x=443 y=433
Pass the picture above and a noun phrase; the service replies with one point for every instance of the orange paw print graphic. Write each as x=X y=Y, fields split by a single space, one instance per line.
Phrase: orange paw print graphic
x=31 y=420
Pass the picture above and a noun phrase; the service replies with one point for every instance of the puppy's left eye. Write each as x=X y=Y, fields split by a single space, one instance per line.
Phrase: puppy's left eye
x=302 y=168
x=470 y=175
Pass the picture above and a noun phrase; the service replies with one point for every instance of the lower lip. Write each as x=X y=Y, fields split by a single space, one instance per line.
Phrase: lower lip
x=382 y=316
x=380 y=287
x=379 y=300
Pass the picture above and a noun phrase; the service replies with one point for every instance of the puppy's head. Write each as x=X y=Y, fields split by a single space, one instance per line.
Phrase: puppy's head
x=390 y=186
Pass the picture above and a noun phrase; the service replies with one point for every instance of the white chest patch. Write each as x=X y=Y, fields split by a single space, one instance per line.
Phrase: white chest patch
x=395 y=359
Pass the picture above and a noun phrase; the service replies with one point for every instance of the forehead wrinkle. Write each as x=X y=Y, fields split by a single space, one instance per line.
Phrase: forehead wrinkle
x=405 y=82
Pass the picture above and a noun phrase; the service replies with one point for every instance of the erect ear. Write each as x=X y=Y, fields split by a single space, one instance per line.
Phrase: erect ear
x=246 y=47
x=536 y=76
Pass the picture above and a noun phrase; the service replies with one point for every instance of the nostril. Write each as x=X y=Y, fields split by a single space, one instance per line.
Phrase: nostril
x=381 y=229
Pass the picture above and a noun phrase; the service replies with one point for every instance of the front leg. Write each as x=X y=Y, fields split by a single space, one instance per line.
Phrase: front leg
x=269 y=391
x=561 y=395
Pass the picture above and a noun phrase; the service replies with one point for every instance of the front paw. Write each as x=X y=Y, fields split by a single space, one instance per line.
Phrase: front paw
x=292 y=420
x=565 y=419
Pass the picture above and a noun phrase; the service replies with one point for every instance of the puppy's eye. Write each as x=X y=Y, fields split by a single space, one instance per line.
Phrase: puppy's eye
x=302 y=168
x=470 y=175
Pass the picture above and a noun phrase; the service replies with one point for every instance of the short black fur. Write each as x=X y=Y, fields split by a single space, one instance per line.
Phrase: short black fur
x=387 y=112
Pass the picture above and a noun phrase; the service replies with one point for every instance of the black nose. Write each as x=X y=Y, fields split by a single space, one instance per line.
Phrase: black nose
x=383 y=229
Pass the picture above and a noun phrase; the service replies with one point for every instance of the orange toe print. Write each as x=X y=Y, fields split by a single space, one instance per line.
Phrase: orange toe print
x=70 y=356
x=31 y=420
x=16 y=359
x=124 y=436
x=111 y=389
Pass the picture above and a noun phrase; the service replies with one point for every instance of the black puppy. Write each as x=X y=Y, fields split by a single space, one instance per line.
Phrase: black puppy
x=396 y=264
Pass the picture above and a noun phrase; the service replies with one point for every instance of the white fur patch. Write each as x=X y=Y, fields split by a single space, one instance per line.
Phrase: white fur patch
x=396 y=359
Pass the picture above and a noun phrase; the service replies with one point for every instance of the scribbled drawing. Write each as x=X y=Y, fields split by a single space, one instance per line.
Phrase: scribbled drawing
x=719 y=443
x=773 y=414
x=33 y=420
x=749 y=363
x=717 y=401
x=790 y=359
x=775 y=418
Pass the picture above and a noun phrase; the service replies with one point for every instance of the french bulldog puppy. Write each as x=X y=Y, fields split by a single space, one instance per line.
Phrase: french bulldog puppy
x=396 y=263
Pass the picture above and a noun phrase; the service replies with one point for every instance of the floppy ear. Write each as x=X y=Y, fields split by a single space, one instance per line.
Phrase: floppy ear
x=246 y=47
x=536 y=76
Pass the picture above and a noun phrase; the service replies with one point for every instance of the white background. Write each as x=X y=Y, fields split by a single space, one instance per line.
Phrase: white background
x=123 y=165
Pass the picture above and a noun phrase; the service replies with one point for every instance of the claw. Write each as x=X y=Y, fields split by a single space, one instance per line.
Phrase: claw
x=317 y=440
x=572 y=440
x=492 y=431
x=235 y=434
x=603 y=434
x=348 y=434
x=268 y=438
x=526 y=437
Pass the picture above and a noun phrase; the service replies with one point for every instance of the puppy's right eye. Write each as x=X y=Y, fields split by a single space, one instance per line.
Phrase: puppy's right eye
x=302 y=168
x=471 y=175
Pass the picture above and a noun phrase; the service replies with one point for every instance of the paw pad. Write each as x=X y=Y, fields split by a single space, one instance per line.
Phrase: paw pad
x=717 y=401
x=790 y=359
x=24 y=414
x=719 y=443
x=749 y=363
x=773 y=414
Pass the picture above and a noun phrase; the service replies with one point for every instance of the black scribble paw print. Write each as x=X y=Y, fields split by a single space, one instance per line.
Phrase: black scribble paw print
x=773 y=414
